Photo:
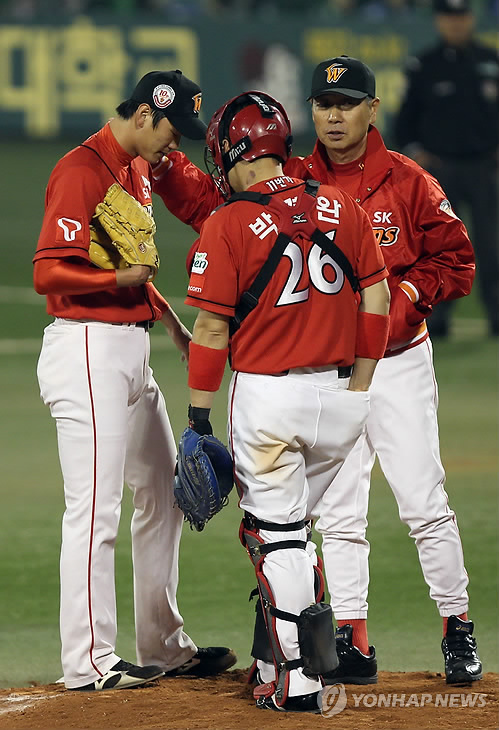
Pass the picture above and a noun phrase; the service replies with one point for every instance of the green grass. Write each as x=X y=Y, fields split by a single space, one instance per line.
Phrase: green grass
x=215 y=574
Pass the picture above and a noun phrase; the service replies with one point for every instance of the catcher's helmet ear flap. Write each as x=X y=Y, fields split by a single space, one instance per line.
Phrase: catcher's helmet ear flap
x=255 y=125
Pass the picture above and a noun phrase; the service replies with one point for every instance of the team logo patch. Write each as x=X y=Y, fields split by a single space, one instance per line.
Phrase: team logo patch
x=69 y=227
x=383 y=216
x=197 y=98
x=334 y=72
x=446 y=207
x=386 y=236
x=200 y=263
x=163 y=95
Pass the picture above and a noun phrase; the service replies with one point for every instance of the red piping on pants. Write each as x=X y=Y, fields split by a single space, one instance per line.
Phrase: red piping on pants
x=92 y=521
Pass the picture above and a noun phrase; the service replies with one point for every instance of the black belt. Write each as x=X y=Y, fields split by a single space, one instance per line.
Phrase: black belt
x=146 y=324
x=344 y=371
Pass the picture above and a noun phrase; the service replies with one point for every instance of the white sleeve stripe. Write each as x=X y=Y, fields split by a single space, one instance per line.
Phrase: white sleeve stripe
x=413 y=289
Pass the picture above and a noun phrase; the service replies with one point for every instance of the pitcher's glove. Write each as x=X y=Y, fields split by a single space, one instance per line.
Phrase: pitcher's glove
x=130 y=229
x=102 y=252
x=203 y=477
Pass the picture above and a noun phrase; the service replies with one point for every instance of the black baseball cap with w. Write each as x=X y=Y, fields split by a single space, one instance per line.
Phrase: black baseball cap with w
x=343 y=75
x=177 y=97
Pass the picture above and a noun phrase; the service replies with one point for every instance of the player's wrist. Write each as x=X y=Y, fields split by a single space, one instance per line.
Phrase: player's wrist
x=199 y=420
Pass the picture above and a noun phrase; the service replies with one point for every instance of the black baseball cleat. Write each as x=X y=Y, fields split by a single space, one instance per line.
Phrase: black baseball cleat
x=298 y=703
x=123 y=676
x=206 y=662
x=462 y=664
x=354 y=667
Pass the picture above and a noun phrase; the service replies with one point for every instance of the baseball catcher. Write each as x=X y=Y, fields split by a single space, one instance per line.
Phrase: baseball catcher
x=282 y=259
x=122 y=233
x=204 y=476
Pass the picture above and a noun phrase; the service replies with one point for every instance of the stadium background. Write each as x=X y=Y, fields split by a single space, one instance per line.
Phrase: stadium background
x=63 y=69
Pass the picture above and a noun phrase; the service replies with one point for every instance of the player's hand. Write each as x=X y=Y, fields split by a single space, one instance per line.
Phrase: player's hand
x=159 y=169
x=404 y=318
x=134 y=275
x=181 y=338
x=178 y=332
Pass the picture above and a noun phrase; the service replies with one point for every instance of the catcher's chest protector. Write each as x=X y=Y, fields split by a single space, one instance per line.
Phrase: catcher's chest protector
x=291 y=226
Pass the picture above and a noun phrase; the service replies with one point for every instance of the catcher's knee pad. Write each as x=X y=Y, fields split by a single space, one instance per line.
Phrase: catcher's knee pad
x=315 y=624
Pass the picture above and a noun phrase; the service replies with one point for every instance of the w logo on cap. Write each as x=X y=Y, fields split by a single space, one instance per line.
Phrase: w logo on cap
x=334 y=72
x=197 y=103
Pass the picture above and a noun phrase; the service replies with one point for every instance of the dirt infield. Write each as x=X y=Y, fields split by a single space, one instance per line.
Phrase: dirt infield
x=400 y=701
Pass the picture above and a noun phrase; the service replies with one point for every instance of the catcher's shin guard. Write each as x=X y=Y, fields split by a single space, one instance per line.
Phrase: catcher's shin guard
x=315 y=625
x=261 y=647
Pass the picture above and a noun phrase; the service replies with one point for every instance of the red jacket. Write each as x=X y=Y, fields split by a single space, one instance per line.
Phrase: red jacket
x=424 y=244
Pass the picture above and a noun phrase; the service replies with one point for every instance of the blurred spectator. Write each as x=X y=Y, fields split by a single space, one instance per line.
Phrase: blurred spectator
x=448 y=124
x=372 y=9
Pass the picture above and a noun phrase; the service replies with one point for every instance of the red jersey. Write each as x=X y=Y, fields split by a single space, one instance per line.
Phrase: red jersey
x=77 y=184
x=423 y=243
x=307 y=314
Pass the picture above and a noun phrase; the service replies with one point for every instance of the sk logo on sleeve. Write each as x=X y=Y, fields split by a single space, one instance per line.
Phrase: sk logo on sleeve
x=69 y=227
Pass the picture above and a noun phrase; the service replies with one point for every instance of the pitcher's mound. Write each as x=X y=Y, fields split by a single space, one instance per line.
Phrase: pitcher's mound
x=400 y=701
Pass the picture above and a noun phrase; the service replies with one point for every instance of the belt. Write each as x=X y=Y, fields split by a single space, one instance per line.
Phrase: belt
x=146 y=324
x=344 y=371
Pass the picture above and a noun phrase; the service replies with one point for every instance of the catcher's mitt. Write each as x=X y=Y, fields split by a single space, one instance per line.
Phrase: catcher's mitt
x=130 y=228
x=204 y=477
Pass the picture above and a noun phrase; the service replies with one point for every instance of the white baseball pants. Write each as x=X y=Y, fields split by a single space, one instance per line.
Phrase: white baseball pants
x=402 y=430
x=289 y=436
x=112 y=426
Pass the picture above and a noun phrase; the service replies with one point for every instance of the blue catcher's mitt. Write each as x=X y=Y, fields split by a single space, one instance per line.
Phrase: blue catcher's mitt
x=203 y=479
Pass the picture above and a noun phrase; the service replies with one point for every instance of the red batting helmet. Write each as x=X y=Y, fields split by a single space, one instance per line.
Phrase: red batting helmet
x=255 y=125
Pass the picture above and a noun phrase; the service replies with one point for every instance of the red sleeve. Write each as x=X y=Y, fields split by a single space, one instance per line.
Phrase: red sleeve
x=72 y=193
x=157 y=300
x=445 y=268
x=188 y=193
x=56 y=276
x=213 y=283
